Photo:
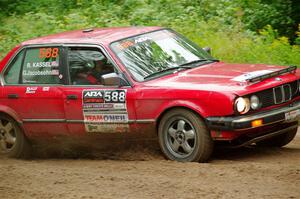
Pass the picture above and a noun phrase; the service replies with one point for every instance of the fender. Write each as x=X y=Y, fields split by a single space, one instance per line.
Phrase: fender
x=189 y=104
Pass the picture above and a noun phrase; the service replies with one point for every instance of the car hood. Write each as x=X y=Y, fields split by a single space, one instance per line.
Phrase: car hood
x=224 y=77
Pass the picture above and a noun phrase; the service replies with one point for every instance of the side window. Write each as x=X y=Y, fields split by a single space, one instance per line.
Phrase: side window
x=87 y=66
x=11 y=76
x=41 y=66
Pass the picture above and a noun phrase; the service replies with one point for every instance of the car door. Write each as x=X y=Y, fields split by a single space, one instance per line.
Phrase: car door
x=91 y=106
x=32 y=89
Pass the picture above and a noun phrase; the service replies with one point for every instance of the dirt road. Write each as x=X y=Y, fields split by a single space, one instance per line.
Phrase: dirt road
x=143 y=173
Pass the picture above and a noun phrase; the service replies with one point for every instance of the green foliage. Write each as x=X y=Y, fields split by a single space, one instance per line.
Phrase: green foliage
x=237 y=30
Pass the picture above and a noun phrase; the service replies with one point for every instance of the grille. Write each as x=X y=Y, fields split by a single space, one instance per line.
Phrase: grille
x=279 y=94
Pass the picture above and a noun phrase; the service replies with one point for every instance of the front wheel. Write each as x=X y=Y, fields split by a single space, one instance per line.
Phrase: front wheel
x=184 y=137
x=13 y=142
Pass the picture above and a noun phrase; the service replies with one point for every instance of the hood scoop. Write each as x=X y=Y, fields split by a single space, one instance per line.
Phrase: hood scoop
x=257 y=76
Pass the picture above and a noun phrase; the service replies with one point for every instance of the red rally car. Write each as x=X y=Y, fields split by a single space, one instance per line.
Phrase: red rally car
x=135 y=79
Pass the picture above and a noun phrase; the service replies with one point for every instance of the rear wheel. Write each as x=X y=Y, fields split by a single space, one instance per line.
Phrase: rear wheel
x=184 y=137
x=13 y=143
x=280 y=140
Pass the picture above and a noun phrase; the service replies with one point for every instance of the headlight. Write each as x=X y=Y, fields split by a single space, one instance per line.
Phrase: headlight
x=254 y=102
x=242 y=105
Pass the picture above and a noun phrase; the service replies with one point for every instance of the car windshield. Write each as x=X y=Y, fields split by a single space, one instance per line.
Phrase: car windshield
x=159 y=53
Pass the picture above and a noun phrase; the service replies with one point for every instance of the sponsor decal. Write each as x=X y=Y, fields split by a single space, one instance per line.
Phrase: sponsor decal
x=141 y=39
x=93 y=100
x=92 y=94
x=109 y=118
x=119 y=106
x=131 y=42
x=55 y=72
x=107 y=128
x=102 y=108
x=46 y=88
x=31 y=89
x=125 y=44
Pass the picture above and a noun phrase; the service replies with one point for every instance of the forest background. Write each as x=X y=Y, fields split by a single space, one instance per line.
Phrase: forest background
x=243 y=31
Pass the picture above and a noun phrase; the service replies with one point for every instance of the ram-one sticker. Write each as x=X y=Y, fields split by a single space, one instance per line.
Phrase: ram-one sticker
x=104 y=110
x=105 y=118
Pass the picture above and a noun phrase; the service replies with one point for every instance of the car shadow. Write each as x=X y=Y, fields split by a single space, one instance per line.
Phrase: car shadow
x=253 y=152
x=149 y=150
x=127 y=150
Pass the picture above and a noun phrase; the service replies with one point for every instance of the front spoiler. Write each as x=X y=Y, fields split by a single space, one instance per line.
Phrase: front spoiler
x=239 y=123
x=265 y=136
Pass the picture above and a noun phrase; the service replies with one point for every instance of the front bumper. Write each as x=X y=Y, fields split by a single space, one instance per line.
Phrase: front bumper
x=283 y=114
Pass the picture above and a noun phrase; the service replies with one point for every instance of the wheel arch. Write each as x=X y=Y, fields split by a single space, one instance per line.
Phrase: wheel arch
x=21 y=147
x=12 y=114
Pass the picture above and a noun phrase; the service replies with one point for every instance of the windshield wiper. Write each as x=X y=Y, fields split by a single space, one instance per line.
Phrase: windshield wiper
x=165 y=70
x=198 y=61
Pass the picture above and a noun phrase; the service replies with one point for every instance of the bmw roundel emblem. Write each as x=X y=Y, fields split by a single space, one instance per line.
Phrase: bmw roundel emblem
x=278 y=79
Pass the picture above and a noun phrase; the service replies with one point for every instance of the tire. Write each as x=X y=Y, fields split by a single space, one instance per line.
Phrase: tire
x=280 y=140
x=184 y=137
x=13 y=142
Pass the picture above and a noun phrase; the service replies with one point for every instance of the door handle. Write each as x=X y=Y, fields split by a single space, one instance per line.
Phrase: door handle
x=72 y=97
x=13 y=96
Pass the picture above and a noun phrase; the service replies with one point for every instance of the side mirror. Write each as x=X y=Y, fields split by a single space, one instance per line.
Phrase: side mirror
x=207 y=49
x=112 y=79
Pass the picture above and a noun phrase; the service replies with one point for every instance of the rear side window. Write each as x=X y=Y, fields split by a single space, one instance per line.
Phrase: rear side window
x=41 y=66
x=11 y=76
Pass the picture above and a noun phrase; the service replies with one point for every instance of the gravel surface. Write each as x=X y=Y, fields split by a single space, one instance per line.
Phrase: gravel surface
x=142 y=172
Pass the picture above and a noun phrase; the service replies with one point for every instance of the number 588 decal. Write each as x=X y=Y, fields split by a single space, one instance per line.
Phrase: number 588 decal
x=116 y=96
x=49 y=52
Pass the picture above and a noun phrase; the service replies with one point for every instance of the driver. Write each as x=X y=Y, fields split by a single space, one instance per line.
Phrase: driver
x=94 y=76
